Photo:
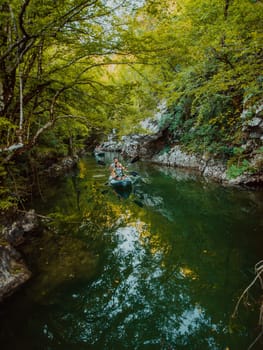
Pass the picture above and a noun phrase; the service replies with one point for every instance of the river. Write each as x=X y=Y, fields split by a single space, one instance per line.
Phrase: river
x=160 y=266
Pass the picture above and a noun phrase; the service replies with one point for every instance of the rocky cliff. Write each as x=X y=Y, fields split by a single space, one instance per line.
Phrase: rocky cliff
x=160 y=148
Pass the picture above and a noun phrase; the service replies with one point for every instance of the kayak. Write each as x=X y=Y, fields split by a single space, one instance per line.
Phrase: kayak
x=126 y=182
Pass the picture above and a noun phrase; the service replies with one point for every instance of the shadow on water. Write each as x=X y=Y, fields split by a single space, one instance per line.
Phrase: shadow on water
x=123 y=192
x=162 y=273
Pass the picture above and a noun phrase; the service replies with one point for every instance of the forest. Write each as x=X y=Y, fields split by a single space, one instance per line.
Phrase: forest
x=71 y=71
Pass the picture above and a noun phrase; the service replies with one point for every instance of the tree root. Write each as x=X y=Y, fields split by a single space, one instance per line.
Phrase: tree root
x=258 y=273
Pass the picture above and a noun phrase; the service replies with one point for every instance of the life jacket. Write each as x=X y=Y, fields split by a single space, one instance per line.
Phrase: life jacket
x=118 y=171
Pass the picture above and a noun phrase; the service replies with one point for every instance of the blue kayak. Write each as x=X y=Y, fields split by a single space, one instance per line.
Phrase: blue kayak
x=120 y=183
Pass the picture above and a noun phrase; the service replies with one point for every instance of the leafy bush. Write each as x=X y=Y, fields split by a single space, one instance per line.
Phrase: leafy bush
x=236 y=170
x=7 y=200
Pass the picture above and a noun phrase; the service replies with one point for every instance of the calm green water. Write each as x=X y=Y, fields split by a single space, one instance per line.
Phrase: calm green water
x=158 y=268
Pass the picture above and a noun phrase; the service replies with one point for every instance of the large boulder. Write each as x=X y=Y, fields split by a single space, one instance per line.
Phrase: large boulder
x=143 y=146
x=13 y=271
x=176 y=157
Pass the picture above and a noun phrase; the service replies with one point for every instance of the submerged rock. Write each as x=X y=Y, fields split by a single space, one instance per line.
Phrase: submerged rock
x=58 y=259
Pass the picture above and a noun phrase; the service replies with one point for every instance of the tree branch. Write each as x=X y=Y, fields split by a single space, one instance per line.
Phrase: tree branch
x=12 y=148
x=50 y=124
x=21 y=14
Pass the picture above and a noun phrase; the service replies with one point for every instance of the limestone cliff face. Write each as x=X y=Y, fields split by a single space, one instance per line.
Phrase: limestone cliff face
x=158 y=147
x=207 y=166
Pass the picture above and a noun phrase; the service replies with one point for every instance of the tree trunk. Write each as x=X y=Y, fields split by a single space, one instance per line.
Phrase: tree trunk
x=21 y=117
x=227 y=3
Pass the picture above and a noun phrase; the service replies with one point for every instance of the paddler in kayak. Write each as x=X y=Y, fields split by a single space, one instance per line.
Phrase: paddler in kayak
x=117 y=170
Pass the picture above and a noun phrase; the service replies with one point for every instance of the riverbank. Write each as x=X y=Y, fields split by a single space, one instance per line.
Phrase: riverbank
x=17 y=229
x=157 y=149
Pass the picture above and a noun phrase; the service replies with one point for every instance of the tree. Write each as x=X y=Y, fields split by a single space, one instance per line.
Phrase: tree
x=53 y=56
x=212 y=68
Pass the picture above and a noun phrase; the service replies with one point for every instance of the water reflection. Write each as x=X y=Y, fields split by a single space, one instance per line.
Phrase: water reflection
x=139 y=301
x=167 y=275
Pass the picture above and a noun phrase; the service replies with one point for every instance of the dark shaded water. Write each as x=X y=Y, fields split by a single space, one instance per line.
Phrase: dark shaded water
x=158 y=268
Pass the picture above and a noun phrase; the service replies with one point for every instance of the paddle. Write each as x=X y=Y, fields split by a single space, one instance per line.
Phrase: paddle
x=133 y=173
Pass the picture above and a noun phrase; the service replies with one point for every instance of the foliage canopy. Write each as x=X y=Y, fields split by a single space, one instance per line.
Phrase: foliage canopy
x=71 y=69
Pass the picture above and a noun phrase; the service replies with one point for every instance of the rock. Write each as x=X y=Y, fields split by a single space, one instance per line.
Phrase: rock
x=26 y=223
x=151 y=124
x=144 y=146
x=215 y=170
x=13 y=271
x=253 y=127
x=249 y=146
x=176 y=157
x=66 y=164
x=131 y=146
x=111 y=146
x=255 y=135
x=249 y=180
x=256 y=121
